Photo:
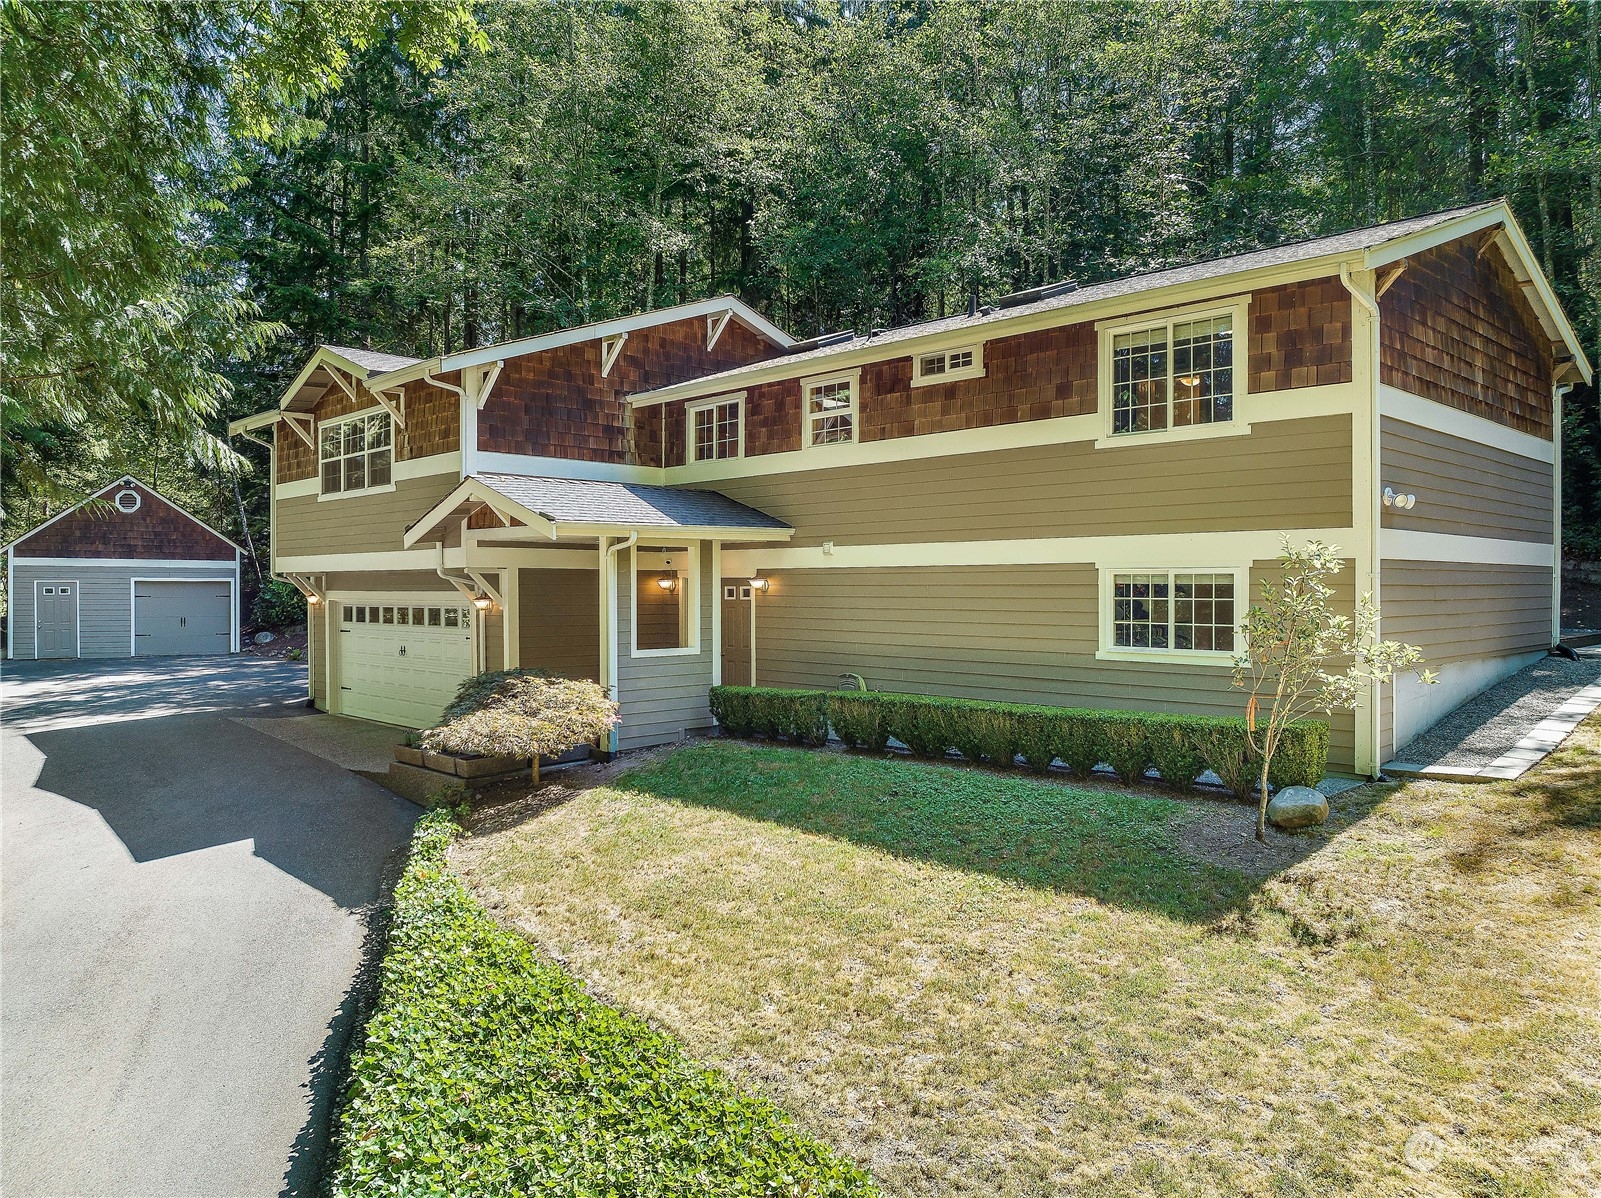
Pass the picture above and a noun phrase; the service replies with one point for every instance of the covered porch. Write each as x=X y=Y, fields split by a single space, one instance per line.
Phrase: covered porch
x=618 y=582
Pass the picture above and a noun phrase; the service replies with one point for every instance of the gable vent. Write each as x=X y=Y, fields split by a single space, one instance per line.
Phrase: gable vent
x=127 y=501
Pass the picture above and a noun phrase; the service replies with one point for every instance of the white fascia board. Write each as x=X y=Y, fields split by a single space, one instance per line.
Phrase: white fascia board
x=541 y=467
x=1426 y=413
x=1498 y=214
x=249 y=424
x=743 y=312
x=999 y=325
x=321 y=356
x=1409 y=545
x=684 y=532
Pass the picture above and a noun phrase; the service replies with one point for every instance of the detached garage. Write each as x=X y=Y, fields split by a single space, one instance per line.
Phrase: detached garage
x=125 y=573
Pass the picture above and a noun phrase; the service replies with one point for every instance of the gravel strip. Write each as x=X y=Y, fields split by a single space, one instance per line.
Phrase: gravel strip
x=1491 y=722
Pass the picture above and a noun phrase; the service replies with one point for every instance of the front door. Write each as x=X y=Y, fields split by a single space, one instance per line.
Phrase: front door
x=737 y=608
x=56 y=619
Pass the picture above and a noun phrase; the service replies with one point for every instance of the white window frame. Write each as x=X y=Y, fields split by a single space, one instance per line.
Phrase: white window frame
x=1237 y=308
x=973 y=371
x=854 y=378
x=700 y=405
x=1111 y=651
x=394 y=453
x=690 y=598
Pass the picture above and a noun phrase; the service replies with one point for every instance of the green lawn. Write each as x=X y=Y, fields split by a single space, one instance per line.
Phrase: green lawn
x=977 y=983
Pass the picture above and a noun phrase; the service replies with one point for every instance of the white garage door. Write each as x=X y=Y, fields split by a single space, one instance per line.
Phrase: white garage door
x=182 y=617
x=400 y=663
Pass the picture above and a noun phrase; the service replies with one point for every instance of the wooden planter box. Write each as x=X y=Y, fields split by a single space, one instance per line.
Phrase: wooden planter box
x=483 y=767
x=407 y=755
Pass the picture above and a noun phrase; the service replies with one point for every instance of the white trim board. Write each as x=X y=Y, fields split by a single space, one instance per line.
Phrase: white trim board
x=1426 y=413
x=1402 y=544
x=1201 y=550
x=143 y=563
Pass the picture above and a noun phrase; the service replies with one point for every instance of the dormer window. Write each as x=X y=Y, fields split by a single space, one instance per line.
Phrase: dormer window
x=948 y=365
x=355 y=453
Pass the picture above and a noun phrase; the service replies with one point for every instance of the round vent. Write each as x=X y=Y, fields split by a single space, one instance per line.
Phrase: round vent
x=127 y=501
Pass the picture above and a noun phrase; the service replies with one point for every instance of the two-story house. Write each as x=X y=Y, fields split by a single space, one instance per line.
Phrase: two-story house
x=1066 y=496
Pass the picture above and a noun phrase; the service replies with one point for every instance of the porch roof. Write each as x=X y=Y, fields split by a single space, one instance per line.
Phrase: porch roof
x=550 y=508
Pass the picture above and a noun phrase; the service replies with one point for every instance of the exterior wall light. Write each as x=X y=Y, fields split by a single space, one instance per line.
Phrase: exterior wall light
x=481 y=602
x=313 y=599
x=1399 y=501
x=668 y=583
x=760 y=584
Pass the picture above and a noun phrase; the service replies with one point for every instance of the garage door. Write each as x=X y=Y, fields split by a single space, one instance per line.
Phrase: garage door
x=401 y=663
x=182 y=617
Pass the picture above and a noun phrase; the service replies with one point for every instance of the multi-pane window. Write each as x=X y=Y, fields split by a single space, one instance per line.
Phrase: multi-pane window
x=416 y=617
x=1173 y=375
x=1182 y=610
x=715 y=431
x=830 y=411
x=356 y=453
x=947 y=363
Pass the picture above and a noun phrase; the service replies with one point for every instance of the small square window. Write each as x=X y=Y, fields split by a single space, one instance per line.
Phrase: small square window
x=450 y=617
x=347 y=614
x=361 y=615
x=402 y=615
x=433 y=617
x=389 y=615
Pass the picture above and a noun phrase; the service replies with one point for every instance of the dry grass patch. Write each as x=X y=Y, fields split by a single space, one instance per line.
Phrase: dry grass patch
x=979 y=983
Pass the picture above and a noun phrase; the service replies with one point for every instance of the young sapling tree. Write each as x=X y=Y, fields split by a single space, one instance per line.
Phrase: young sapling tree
x=1295 y=644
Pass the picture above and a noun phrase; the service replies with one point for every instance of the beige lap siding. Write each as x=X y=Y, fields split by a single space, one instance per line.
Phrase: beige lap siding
x=663 y=696
x=1285 y=474
x=355 y=523
x=1464 y=487
x=1459 y=611
x=1017 y=634
x=559 y=625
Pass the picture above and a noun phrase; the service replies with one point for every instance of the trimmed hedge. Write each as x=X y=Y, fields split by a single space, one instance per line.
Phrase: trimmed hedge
x=488 y=1071
x=1179 y=747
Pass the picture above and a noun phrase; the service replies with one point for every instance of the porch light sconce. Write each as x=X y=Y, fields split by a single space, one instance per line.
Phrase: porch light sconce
x=1399 y=501
x=313 y=599
x=760 y=584
x=481 y=602
x=668 y=583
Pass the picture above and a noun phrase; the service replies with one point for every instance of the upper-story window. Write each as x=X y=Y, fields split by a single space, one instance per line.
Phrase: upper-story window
x=1173 y=373
x=948 y=365
x=355 y=453
x=717 y=428
x=831 y=409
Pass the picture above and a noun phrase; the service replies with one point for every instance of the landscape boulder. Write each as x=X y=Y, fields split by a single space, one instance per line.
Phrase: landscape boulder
x=1297 y=807
x=264 y=637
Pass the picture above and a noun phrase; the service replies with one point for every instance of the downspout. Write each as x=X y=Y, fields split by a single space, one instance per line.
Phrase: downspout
x=1371 y=303
x=1558 y=392
x=469 y=422
x=609 y=567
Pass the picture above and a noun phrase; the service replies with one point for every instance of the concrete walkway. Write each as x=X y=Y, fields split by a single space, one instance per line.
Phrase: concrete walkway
x=184 y=919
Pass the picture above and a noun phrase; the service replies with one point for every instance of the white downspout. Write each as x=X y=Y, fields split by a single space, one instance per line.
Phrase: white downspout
x=468 y=422
x=609 y=630
x=1371 y=501
x=1558 y=392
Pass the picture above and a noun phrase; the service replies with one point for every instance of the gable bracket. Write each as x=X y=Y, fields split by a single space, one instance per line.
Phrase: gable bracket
x=494 y=595
x=348 y=386
x=715 y=324
x=302 y=424
x=1389 y=278
x=485 y=382
x=610 y=347
x=396 y=406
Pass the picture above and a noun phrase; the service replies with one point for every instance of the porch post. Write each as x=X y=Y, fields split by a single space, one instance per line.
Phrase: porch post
x=510 y=619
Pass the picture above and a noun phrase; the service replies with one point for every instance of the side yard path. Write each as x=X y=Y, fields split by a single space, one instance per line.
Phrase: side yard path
x=981 y=983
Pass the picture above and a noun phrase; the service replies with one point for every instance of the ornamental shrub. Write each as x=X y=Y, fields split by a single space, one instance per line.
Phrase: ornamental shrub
x=278 y=605
x=515 y=713
x=1181 y=747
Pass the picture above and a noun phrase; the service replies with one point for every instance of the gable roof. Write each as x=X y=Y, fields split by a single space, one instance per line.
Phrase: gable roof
x=123 y=481
x=585 y=507
x=1377 y=244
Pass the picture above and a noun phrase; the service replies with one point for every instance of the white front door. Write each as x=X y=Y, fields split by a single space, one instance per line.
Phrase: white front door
x=55 y=626
x=400 y=661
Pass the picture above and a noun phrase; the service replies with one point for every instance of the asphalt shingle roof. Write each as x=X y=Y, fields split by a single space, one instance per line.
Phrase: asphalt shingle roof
x=630 y=505
x=372 y=361
x=1282 y=255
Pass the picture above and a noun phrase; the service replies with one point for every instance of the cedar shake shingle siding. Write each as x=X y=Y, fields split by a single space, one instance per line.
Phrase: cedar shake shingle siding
x=557 y=404
x=1456 y=329
x=157 y=531
x=1300 y=336
x=433 y=425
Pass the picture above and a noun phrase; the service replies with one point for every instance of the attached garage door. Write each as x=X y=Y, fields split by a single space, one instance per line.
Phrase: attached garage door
x=401 y=663
x=182 y=617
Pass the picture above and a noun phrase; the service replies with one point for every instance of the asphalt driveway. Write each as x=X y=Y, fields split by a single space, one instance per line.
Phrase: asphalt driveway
x=183 y=906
